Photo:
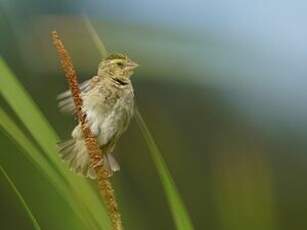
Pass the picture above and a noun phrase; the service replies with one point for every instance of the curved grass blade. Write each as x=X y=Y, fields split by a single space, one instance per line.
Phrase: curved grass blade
x=21 y=199
x=178 y=210
x=8 y=126
x=26 y=110
x=31 y=152
x=102 y=49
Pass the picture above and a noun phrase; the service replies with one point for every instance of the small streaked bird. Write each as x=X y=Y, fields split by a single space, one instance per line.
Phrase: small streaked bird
x=108 y=101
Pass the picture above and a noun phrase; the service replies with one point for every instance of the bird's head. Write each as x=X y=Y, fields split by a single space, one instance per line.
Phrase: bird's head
x=116 y=65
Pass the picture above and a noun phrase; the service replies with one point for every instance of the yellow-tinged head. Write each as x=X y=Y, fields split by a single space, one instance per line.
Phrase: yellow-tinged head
x=116 y=65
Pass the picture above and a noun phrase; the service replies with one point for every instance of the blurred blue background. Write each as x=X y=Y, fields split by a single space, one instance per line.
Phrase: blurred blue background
x=222 y=86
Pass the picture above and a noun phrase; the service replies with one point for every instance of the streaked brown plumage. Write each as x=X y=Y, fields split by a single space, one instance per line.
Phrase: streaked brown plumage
x=108 y=102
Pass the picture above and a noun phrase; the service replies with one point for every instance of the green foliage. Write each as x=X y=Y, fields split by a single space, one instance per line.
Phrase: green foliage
x=82 y=198
x=179 y=212
x=22 y=200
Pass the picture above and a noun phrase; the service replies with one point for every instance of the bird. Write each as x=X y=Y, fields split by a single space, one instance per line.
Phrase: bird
x=108 y=102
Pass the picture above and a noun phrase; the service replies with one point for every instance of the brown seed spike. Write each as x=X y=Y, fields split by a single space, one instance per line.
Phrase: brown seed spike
x=94 y=151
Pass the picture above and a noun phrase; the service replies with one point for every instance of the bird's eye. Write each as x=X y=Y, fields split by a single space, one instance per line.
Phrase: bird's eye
x=120 y=64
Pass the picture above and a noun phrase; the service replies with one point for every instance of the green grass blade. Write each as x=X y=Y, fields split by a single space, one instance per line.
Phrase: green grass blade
x=37 y=125
x=21 y=199
x=31 y=152
x=178 y=210
x=101 y=47
x=35 y=156
x=26 y=110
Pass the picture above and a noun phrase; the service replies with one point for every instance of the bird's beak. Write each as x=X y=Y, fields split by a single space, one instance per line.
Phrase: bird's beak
x=132 y=65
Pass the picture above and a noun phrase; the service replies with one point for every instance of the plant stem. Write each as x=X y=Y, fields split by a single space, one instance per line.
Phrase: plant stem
x=94 y=151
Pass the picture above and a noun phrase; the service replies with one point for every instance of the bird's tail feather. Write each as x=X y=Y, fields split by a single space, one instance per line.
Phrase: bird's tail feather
x=74 y=152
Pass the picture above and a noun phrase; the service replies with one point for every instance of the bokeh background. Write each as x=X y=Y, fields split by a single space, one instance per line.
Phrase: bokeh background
x=221 y=85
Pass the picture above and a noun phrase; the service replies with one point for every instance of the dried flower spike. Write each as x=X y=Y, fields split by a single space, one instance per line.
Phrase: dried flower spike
x=102 y=174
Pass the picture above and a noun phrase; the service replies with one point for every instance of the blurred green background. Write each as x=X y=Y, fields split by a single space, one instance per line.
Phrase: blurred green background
x=221 y=85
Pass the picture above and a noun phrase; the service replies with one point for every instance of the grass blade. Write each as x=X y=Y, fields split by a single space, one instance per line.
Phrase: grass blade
x=90 y=206
x=30 y=150
x=21 y=199
x=102 y=49
x=8 y=126
x=178 y=210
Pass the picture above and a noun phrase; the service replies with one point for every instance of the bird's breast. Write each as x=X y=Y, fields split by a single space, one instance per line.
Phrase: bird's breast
x=111 y=118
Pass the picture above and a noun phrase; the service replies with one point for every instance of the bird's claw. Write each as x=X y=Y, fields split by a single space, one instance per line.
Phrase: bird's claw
x=96 y=162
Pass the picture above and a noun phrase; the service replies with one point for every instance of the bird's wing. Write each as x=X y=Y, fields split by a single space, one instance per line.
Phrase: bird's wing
x=65 y=100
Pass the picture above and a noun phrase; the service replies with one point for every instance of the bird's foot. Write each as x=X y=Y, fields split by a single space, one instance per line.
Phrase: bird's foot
x=96 y=161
